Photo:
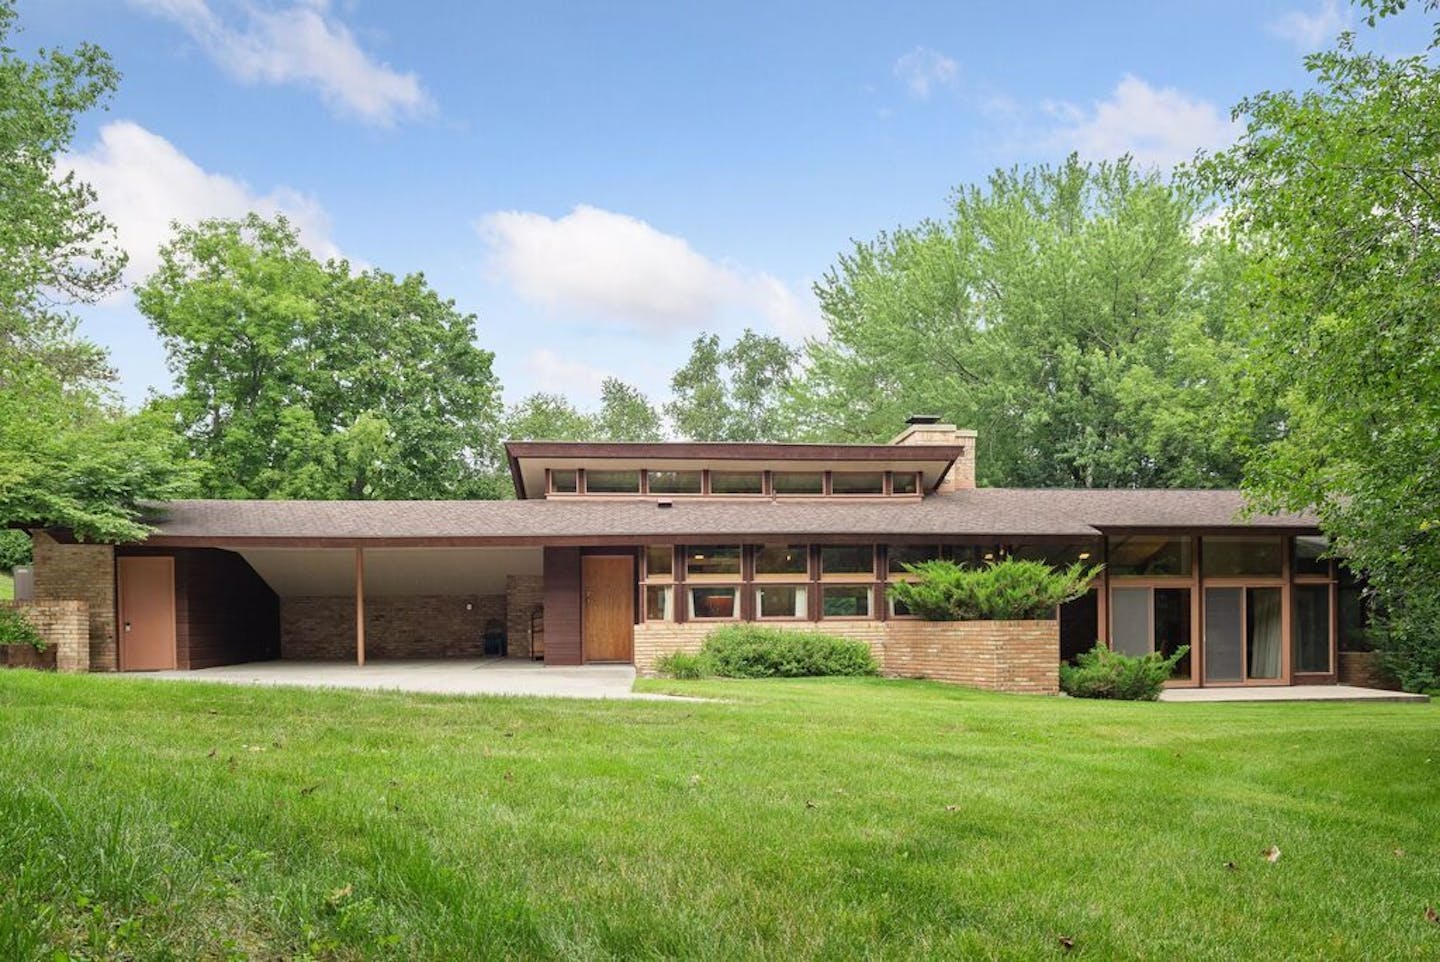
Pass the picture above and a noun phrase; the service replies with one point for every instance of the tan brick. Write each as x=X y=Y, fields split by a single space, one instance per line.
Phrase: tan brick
x=82 y=572
x=65 y=626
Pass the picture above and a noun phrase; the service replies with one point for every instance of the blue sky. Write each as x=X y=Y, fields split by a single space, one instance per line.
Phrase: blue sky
x=598 y=182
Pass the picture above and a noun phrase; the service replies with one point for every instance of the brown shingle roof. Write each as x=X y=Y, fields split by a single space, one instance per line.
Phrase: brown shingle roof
x=986 y=511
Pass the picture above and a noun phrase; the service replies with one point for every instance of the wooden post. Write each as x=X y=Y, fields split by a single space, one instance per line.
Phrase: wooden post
x=360 y=607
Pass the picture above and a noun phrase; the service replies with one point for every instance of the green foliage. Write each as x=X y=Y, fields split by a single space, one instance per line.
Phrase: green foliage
x=1074 y=315
x=759 y=651
x=16 y=629
x=1005 y=590
x=684 y=665
x=1334 y=191
x=733 y=393
x=303 y=380
x=1408 y=642
x=1102 y=673
x=16 y=548
x=625 y=415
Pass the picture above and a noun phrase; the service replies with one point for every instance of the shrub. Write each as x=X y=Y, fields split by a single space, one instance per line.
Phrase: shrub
x=1007 y=590
x=683 y=665
x=1102 y=673
x=1407 y=637
x=757 y=651
x=15 y=549
x=16 y=629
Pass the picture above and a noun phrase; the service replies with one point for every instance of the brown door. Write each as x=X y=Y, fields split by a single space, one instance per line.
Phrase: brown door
x=147 y=613
x=608 y=617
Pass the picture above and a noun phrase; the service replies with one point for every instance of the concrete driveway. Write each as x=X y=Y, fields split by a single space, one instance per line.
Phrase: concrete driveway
x=451 y=676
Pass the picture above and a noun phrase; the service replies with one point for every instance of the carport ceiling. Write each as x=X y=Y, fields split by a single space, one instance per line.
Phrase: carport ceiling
x=300 y=572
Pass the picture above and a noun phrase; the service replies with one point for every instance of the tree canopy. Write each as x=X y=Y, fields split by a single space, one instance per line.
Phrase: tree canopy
x=625 y=414
x=305 y=380
x=734 y=393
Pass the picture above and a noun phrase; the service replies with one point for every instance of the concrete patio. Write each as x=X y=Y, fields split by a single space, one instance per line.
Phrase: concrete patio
x=1288 y=693
x=453 y=676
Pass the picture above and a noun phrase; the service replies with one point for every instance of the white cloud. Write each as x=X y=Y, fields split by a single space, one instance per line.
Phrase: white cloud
x=1159 y=126
x=923 y=70
x=1311 y=31
x=550 y=372
x=301 y=44
x=144 y=182
x=619 y=267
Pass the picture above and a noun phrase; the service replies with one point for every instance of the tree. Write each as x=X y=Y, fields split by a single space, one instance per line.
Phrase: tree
x=1336 y=191
x=301 y=379
x=625 y=414
x=735 y=393
x=70 y=457
x=1076 y=316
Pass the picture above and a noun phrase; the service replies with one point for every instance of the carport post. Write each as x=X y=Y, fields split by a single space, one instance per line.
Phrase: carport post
x=360 y=606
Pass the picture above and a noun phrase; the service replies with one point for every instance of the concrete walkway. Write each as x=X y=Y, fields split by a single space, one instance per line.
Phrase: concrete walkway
x=1289 y=693
x=451 y=676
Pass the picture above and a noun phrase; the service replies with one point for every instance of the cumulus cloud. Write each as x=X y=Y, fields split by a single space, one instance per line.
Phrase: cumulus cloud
x=922 y=70
x=550 y=372
x=619 y=267
x=1159 y=126
x=304 y=45
x=1313 y=29
x=144 y=182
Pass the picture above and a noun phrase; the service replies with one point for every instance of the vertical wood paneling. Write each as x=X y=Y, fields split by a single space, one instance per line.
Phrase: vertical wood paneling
x=562 y=606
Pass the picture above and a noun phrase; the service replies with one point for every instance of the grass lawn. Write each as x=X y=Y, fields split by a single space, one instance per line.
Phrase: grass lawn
x=818 y=818
x=7 y=586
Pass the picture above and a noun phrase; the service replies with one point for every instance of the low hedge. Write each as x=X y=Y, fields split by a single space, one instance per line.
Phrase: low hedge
x=1006 y=590
x=759 y=651
x=1102 y=673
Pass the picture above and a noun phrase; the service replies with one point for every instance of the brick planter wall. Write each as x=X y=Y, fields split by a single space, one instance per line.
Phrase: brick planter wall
x=410 y=626
x=1015 y=656
x=1362 y=669
x=83 y=572
x=65 y=626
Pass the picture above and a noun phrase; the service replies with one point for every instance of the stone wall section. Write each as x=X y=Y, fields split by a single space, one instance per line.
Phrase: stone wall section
x=65 y=626
x=410 y=626
x=523 y=594
x=86 y=573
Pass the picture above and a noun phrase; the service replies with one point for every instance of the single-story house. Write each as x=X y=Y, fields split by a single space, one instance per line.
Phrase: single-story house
x=621 y=552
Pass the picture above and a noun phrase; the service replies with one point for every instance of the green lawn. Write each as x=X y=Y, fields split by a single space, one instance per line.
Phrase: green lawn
x=142 y=819
x=7 y=586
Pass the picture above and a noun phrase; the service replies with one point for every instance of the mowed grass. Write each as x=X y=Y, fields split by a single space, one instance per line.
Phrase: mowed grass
x=792 y=819
x=7 y=586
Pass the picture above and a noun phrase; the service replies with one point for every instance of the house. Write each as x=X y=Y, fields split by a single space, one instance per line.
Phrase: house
x=622 y=552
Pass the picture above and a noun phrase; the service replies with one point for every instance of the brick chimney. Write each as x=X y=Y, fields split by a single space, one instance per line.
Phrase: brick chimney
x=928 y=429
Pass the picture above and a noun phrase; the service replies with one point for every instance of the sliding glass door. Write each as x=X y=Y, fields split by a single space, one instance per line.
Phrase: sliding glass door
x=1146 y=619
x=1244 y=634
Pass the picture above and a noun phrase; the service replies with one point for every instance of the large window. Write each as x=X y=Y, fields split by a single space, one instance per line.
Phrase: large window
x=564 y=480
x=798 y=482
x=659 y=582
x=737 y=482
x=847 y=560
x=712 y=561
x=782 y=601
x=673 y=482
x=845 y=601
x=1312 y=629
x=900 y=555
x=905 y=482
x=1145 y=620
x=1149 y=555
x=1309 y=560
x=782 y=561
x=1241 y=556
x=713 y=602
x=857 y=482
x=612 y=482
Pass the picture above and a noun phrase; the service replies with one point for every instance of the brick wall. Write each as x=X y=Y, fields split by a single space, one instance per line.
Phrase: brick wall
x=82 y=572
x=523 y=593
x=1362 y=668
x=412 y=626
x=1018 y=656
x=65 y=626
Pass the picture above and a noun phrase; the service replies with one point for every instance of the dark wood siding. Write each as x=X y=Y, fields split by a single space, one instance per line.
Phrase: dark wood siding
x=562 y=606
x=225 y=613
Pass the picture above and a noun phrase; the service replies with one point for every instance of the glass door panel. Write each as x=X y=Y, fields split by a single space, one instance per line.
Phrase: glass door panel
x=1172 y=627
x=1130 y=618
x=1312 y=629
x=1224 y=634
x=1262 y=633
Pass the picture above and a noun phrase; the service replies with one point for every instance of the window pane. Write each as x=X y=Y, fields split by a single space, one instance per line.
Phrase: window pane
x=711 y=560
x=973 y=555
x=901 y=555
x=612 y=482
x=713 y=602
x=563 y=480
x=1149 y=555
x=737 y=482
x=1224 y=643
x=1352 y=612
x=1130 y=620
x=904 y=482
x=658 y=600
x=1312 y=628
x=782 y=559
x=659 y=561
x=798 y=482
x=847 y=559
x=1059 y=555
x=1308 y=550
x=1172 y=626
x=1262 y=629
x=849 y=601
x=1227 y=556
x=857 y=482
x=674 y=482
x=781 y=601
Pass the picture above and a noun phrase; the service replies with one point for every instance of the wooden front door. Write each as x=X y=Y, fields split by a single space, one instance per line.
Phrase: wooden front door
x=147 y=613
x=608 y=615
